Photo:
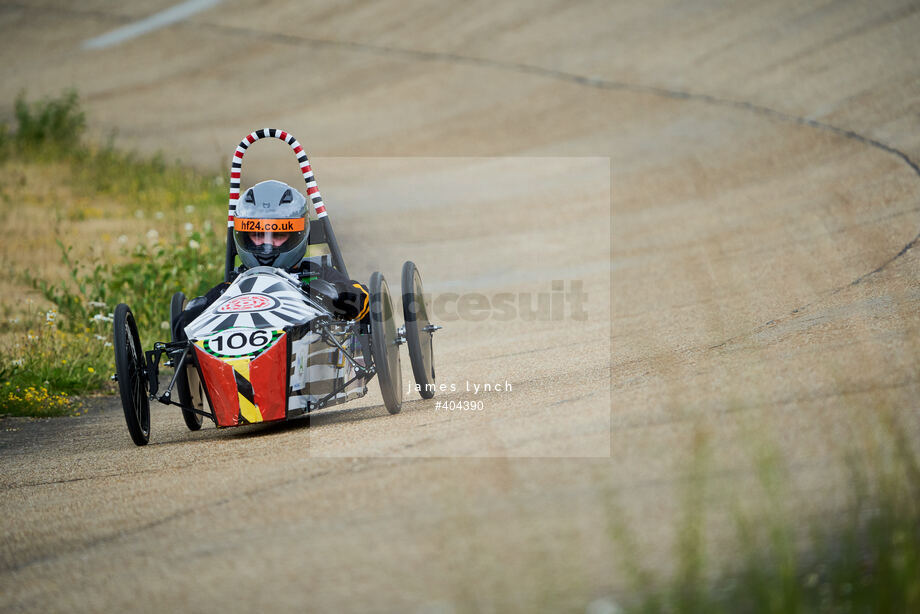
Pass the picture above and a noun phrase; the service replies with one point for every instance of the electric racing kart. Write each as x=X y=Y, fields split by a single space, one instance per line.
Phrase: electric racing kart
x=266 y=350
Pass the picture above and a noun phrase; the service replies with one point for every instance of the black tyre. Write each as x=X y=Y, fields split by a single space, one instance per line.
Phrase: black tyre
x=419 y=337
x=176 y=305
x=192 y=420
x=132 y=375
x=384 y=346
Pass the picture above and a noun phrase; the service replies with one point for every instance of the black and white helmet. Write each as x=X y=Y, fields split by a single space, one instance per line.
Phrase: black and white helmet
x=270 y=227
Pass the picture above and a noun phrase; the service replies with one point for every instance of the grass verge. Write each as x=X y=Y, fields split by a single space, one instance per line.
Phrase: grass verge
x=90 y=227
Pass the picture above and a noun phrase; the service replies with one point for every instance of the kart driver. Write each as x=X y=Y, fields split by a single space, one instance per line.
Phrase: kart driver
x=271 y=228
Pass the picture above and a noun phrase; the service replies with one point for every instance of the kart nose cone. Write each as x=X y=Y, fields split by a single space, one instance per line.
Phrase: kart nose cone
x=245 y=390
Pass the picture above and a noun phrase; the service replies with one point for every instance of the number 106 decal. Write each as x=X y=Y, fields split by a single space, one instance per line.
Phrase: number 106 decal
x=239 y=341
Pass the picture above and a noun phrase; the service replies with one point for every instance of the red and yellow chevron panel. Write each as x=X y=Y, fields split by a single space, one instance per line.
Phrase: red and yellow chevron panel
x=268 y=375
x=245 y=395
x=220 y=381
x=245 y=390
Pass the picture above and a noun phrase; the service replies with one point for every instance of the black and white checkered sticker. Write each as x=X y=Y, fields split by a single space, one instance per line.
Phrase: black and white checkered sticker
x=261 y=298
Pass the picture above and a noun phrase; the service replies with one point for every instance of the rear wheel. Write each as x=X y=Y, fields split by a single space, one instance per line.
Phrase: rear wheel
x=192 y=420
x=419 y=332
x=176 y=305
x=384 y=345
x=132 y=375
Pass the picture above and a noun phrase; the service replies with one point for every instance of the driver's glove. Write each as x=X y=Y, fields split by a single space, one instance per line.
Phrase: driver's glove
x=353 y=300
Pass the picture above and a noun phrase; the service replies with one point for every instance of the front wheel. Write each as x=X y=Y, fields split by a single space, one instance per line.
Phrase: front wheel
x=384 y=344
x=132 y=375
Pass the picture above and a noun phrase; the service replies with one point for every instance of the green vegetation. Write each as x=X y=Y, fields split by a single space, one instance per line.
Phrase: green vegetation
x=145 y=281
x=125 y=229
x=41 y=369
x=866 y=559
x=52 y=122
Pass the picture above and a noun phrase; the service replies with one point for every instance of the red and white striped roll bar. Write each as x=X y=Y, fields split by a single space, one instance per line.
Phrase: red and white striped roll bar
x=312 y=192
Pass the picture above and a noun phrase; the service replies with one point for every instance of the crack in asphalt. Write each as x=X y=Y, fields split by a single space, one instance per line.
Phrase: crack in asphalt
x=551 y=73
x=101 y=476
x=904 y=250
x=638 y=421
x=581 y=80
x=182 y=513
x=597 y=83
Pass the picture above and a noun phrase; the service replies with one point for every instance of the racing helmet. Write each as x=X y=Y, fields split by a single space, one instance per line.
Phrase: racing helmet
x=270 y=227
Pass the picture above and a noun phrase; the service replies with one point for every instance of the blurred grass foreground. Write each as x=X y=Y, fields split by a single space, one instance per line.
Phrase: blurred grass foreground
x=865 y=558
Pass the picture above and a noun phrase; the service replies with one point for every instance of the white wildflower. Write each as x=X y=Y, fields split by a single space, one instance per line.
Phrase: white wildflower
x=152 y=234
x=194 y=244
x=17 y=362
x=603 y=605
x=107 y=344
x=101 y=338
x=189 y=228
x=98 y=304
x=158 y=215
x=123 y=239
x=50 y=315
x=189 y=209
x=164 y=325
x=14 y=320
x=99 y=317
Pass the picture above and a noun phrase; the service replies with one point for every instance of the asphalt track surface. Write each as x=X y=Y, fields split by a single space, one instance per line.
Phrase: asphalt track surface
x=735 y=187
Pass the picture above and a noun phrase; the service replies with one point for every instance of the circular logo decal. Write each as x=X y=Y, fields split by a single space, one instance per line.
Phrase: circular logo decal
x=248 y=302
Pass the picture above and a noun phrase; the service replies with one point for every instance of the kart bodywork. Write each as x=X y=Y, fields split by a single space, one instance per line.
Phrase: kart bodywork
x=264 y=353
x=266 y=350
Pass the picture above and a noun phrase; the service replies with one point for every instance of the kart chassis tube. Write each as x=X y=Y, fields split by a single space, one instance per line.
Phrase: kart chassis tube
x=330 y=339
x=360 y=371
x=180 y=351
x=153 y=370
x=236 y=167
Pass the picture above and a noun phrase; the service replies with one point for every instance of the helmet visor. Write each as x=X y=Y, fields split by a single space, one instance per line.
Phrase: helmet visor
x=267 y=238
